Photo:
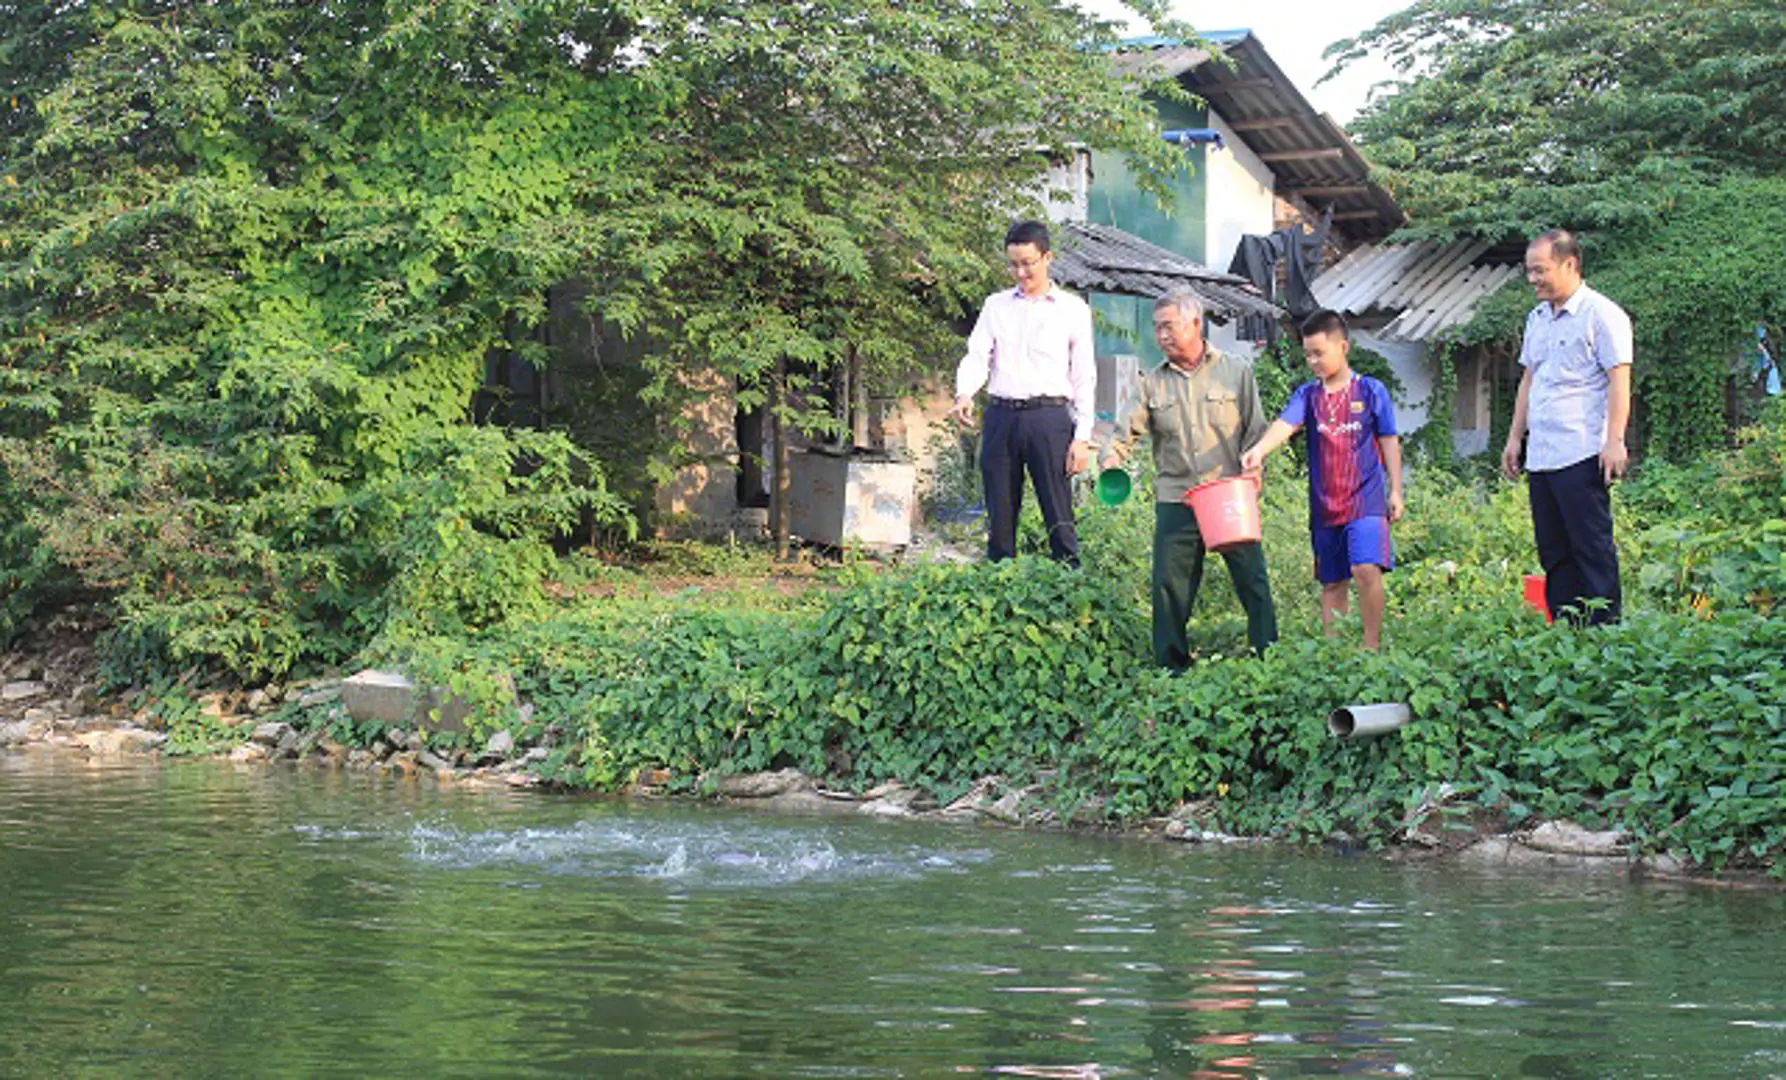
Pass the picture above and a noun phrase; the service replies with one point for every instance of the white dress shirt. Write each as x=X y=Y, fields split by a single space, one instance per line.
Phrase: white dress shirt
x=1569 y=350
x=1025 y=347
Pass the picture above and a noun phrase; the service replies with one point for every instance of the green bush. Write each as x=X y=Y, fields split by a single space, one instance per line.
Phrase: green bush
x=1671 y=726
x=934 y=677
x=942 y=675
x=1716 y=528
x=29 y=572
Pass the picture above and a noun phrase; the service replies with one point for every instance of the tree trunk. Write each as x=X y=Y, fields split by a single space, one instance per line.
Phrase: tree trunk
x=778 y=435
x=858 y=401
x=842 y=394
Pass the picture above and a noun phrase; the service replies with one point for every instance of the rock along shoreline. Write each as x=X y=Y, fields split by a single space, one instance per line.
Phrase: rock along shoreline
x=50 y=703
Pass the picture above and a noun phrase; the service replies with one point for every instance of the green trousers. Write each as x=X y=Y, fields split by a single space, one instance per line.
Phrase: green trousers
x=1178 y=573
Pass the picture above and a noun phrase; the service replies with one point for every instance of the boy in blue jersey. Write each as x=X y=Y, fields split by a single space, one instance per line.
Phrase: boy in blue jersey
x=1354 y=476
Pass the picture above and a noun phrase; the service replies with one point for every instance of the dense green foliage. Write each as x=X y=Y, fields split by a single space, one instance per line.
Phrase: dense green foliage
x=254 y=258
x=1515 y=115
x=1719 y=538
x=1653 y=128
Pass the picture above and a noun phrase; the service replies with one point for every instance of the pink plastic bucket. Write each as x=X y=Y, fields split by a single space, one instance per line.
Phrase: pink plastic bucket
x=1227 y=512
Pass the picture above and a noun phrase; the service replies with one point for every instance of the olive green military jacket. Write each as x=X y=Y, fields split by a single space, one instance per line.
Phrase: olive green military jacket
x=1199 y=421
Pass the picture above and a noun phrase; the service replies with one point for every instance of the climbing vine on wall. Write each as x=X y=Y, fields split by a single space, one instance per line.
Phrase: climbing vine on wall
x=1432 y=443
x=1696 y=284
x=1696 y=280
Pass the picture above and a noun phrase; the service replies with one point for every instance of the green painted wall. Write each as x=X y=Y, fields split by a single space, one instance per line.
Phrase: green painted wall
x=1116 y=199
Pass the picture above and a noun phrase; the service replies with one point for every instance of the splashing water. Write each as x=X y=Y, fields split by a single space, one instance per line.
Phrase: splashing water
x=720 y=854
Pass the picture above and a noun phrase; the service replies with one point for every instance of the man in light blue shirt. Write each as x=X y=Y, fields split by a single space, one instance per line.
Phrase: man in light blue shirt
x=1574 y=401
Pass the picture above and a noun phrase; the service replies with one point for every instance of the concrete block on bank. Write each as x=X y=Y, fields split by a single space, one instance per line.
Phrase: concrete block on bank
x=1568 y=838
x=391 y=699
x=764 y=785
x=271 y=733
x=379 y=697
x=118 y=741
x=1509 y=852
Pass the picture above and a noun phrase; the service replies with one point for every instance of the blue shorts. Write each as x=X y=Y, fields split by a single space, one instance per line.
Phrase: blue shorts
x=1338 y=548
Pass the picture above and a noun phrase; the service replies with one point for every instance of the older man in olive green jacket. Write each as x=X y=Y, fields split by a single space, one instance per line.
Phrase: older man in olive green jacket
x=1201 y=409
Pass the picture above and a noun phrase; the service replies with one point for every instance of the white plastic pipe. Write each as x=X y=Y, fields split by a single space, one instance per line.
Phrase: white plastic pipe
x=1358 y=721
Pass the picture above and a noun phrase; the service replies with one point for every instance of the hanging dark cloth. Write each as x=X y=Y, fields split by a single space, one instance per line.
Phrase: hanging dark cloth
x=1304 y=251
x=1256 y=260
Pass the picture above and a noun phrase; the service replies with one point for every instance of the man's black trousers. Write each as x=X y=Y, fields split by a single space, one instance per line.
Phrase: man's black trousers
x=1037 y=438
x=1572 y=522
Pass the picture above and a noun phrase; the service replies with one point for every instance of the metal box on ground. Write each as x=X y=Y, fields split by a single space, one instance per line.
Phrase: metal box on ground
x=836 y=498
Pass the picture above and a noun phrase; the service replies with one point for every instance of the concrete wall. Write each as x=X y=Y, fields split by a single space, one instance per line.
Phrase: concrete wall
x=1239 y=195
x=1115 y=198
x=1066 y=189
x=704 y=496
x=1413 y=367
x=1472 y=414
x=1222 y=337
x=916 y=426
x=1240 y=200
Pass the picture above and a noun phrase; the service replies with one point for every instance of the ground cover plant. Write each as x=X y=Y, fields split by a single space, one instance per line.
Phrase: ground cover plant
x=1671 y=725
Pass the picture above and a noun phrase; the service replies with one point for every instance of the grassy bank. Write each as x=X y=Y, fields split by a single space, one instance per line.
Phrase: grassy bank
x=1671 y=726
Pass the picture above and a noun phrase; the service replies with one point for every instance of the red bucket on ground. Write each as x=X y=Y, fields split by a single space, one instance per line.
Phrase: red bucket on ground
x=1535 y=595
x=1227 y=512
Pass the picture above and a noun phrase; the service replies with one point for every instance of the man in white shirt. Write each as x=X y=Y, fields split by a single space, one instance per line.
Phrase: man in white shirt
x=1032 y=351
x=1574 y=401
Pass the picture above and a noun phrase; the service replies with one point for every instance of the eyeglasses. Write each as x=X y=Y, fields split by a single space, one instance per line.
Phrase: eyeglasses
x=1024 y=266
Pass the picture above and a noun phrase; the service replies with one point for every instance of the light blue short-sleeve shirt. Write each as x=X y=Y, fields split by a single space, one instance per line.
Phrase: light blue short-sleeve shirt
x=1569 y=351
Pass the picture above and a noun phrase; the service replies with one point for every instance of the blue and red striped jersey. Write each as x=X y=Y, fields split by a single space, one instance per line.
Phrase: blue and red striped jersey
x=1345 y=476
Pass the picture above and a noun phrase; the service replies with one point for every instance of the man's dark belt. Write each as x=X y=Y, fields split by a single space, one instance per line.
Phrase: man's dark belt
x=1028 y=402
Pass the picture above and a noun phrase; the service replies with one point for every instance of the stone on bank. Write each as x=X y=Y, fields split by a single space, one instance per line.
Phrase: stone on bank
x=391 y=699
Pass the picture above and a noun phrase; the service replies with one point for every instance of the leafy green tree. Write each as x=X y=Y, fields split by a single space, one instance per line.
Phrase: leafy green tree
x=253 y=258
x=1656 y=128
x=1512 y=114
x=828 y=193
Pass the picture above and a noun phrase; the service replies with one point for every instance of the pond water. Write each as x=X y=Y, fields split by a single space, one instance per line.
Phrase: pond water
x=192 y=919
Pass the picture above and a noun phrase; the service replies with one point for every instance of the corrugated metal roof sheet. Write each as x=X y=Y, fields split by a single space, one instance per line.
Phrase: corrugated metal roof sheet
x=1101 y=258
x=1431 y=286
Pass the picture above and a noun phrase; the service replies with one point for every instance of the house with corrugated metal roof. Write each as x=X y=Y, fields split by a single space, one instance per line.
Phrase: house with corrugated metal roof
x=1260 y=157
x=1401 y=299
